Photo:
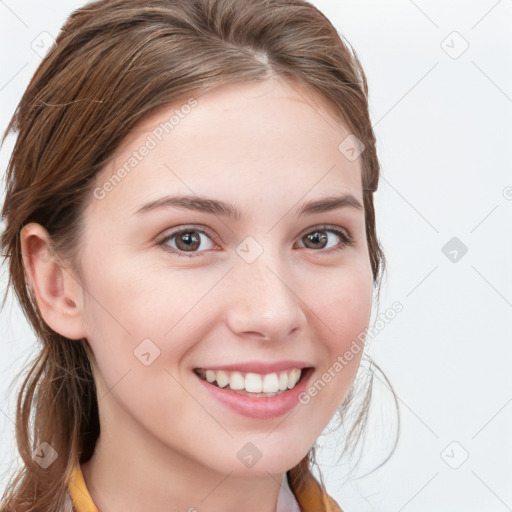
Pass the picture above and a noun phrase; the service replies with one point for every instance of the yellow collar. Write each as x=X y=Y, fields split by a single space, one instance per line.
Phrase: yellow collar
x=82 y=501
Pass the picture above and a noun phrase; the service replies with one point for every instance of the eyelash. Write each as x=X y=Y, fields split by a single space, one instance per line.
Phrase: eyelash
x=346 y=240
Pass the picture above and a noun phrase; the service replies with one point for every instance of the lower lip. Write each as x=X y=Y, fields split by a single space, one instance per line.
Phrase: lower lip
x=262 y=407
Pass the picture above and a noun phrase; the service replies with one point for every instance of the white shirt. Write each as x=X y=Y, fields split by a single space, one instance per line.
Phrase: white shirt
x=286 y=501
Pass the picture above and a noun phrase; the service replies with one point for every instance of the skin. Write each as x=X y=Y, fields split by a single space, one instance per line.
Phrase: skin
x=165 y=444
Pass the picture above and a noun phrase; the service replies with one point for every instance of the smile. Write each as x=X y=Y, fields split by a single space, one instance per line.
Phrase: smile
x=252 y=384
x=255 y=395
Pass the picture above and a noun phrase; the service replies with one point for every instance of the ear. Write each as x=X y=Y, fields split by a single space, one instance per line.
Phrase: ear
x=58 y=293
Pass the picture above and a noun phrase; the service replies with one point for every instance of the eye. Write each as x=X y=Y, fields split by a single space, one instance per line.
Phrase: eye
x=184 y=241
x=319 y=238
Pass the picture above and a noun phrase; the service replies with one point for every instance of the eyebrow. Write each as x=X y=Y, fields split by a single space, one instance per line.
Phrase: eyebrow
x=223 y=209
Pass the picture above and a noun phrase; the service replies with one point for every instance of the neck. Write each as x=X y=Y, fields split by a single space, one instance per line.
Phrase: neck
x=132 y=471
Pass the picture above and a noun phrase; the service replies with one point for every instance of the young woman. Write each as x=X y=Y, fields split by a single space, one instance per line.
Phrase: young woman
x=190 y=230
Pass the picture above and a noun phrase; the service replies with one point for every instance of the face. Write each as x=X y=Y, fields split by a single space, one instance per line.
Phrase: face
x=243 y=280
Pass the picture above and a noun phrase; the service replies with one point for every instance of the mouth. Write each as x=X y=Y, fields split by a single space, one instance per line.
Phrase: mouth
x=253 y=384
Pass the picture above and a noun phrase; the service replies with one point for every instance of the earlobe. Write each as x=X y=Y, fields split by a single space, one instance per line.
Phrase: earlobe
x=55 y=289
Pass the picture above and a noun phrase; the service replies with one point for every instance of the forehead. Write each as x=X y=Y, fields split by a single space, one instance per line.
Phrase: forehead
x=276 y=138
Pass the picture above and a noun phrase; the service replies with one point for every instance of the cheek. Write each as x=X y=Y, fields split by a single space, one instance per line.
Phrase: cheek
x=341 y=312
x=149 y=299
x=134 y=310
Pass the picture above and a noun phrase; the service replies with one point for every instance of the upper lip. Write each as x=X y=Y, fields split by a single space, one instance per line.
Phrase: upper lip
x=260 y=367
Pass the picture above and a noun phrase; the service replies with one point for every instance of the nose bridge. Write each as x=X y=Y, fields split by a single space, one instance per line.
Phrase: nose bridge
x=265 y=302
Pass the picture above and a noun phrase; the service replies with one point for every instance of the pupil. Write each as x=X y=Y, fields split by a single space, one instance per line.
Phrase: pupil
x=316 y=238
x=190 y=241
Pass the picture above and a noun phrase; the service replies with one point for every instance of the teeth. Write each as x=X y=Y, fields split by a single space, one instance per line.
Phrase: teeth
x=283 y=381
x=270 y=383
x=222 y=379
x=254 y=382
x=236 y=381
x=294 y=378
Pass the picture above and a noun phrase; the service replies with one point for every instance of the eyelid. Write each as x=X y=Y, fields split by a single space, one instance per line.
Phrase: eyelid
x=328 y=227
x=185 y=227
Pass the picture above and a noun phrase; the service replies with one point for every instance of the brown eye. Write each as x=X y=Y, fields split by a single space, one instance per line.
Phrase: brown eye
x=321 y=237
x=186 y=241
x=316 y=240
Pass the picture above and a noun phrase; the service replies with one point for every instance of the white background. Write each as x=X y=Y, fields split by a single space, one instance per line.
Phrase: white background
x=443 y=120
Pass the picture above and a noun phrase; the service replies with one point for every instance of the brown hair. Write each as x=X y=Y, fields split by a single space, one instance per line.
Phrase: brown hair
x=115 y=62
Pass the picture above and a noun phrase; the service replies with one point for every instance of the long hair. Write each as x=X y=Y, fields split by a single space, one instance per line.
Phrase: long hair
x=114 y=63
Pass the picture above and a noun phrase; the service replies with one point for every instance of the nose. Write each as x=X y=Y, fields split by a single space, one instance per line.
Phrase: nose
x=263 y=302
